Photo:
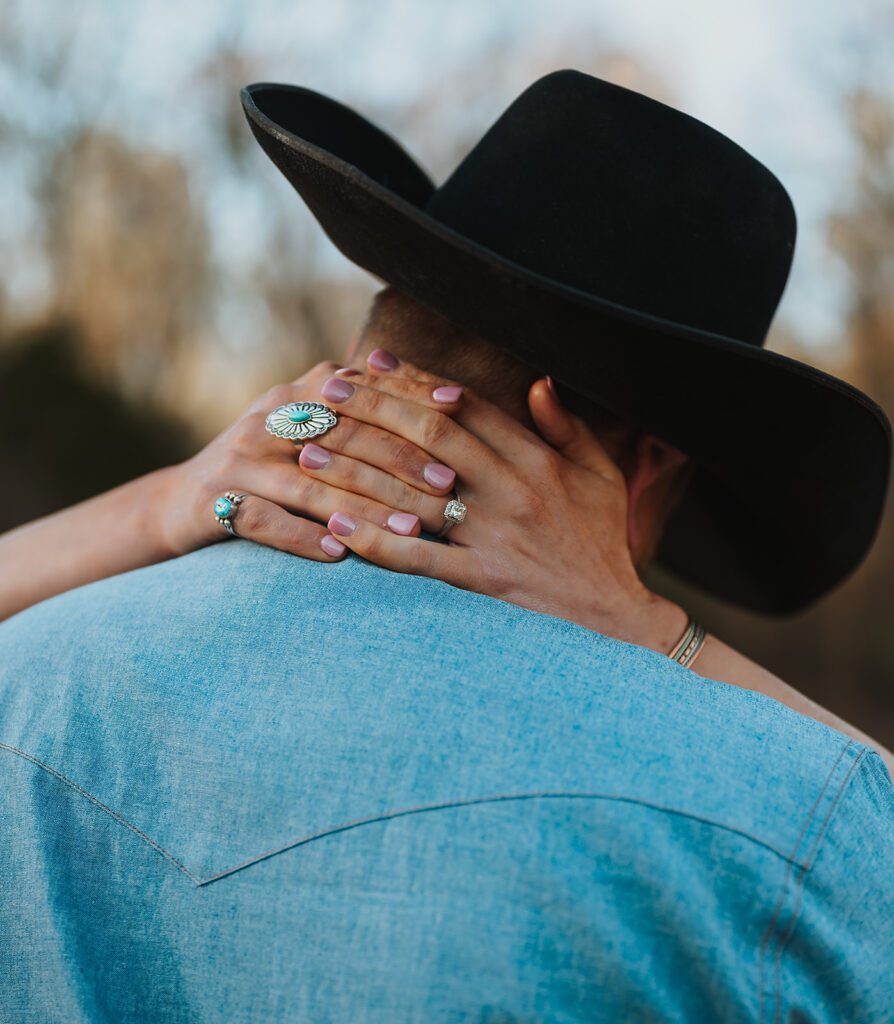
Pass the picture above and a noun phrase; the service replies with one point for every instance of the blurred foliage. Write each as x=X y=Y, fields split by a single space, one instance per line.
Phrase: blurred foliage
x=112 y=213
x=158 y=320
x=66 y=436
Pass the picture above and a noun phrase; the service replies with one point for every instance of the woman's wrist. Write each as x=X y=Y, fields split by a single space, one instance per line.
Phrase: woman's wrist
x=135 y=519
x=161 y=514
x=648 y=620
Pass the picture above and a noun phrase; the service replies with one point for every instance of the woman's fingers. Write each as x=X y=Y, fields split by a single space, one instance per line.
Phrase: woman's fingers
x=359 y=478
x=426 y=427
x=445 y=399
x=568 y=434
x=395 y=455
x=315 y=376
x=490 y=424
x=265 y=522
x=364 y=442
x=382 y=362
x=451 y=563
x=311 y=494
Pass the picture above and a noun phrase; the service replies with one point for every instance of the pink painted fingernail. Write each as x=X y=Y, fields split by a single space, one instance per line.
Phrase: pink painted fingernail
x=313 y=456
x=551 y=384
x=347 y=371
x=336 y=390
x=342 y=524
x=402 y=522
x=332 y=546
x=383 y=361
x=438 y=475
x=447 y=394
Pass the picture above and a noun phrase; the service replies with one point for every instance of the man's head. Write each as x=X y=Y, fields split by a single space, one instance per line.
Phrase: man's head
x=656 y=473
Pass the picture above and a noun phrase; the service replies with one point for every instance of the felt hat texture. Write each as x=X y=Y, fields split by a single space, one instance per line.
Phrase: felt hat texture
x=637 y=256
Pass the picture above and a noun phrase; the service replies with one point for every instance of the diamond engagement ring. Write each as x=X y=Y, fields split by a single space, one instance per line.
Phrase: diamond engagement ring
x=299 y=421
x=454 y=512
x=225 y=508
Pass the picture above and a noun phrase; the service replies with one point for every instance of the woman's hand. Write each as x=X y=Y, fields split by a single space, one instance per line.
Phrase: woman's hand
x=356 y=467
x=371 y=474
x=546 y=526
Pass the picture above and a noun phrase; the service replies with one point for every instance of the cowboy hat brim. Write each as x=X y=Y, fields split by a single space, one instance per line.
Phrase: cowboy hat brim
x=792 y=464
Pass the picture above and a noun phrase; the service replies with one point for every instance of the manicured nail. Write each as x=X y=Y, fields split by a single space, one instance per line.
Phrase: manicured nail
x=382 y=361
x=347 y=371
x=551 y=384
x=438 y=475
x=402 y=522
x=313 y=456
x=332 y=546
x=336 y=390
x=342 y=524
x=447 y=394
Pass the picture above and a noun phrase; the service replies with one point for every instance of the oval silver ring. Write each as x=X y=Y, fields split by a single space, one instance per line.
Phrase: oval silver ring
x=298 y=421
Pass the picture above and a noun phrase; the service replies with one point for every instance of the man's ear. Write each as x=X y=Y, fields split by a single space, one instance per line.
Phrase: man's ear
x=651 y=470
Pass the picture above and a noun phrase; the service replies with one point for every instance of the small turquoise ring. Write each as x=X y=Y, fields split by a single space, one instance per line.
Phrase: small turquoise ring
x=299 y=421
x=225 y=508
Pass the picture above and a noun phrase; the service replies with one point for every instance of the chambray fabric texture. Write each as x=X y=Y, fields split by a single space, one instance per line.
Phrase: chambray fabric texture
x=242 y=787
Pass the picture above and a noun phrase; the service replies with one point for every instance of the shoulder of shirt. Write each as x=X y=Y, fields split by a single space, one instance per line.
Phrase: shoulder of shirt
x=554 y=707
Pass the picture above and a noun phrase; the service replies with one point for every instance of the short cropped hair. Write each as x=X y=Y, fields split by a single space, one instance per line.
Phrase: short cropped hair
x=418 y=334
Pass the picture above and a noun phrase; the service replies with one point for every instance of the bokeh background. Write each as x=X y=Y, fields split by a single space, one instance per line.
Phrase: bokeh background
x=156 y=272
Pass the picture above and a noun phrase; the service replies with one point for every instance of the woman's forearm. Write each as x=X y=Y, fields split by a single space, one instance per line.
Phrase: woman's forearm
x=109 y=534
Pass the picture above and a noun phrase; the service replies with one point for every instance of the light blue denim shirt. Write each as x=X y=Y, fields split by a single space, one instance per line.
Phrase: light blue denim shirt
x=240 y=787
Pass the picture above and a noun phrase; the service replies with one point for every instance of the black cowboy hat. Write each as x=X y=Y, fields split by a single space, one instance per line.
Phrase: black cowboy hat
x=637 y=256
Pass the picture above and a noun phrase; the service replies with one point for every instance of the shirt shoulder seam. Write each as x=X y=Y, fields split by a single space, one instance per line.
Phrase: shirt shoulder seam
x=781 y=926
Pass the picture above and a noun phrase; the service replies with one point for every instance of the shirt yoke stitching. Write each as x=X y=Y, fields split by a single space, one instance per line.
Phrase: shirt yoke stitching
x=397 y=813
x=491 y=799
x=102 y=806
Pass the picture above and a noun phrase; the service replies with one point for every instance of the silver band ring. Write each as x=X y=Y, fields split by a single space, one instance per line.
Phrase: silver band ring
x=300 y=421
x=225 y=509
x=454 y=512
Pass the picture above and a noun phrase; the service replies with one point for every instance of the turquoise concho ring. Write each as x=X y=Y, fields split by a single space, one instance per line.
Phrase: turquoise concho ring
x=225 y=508
x=299 y=421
